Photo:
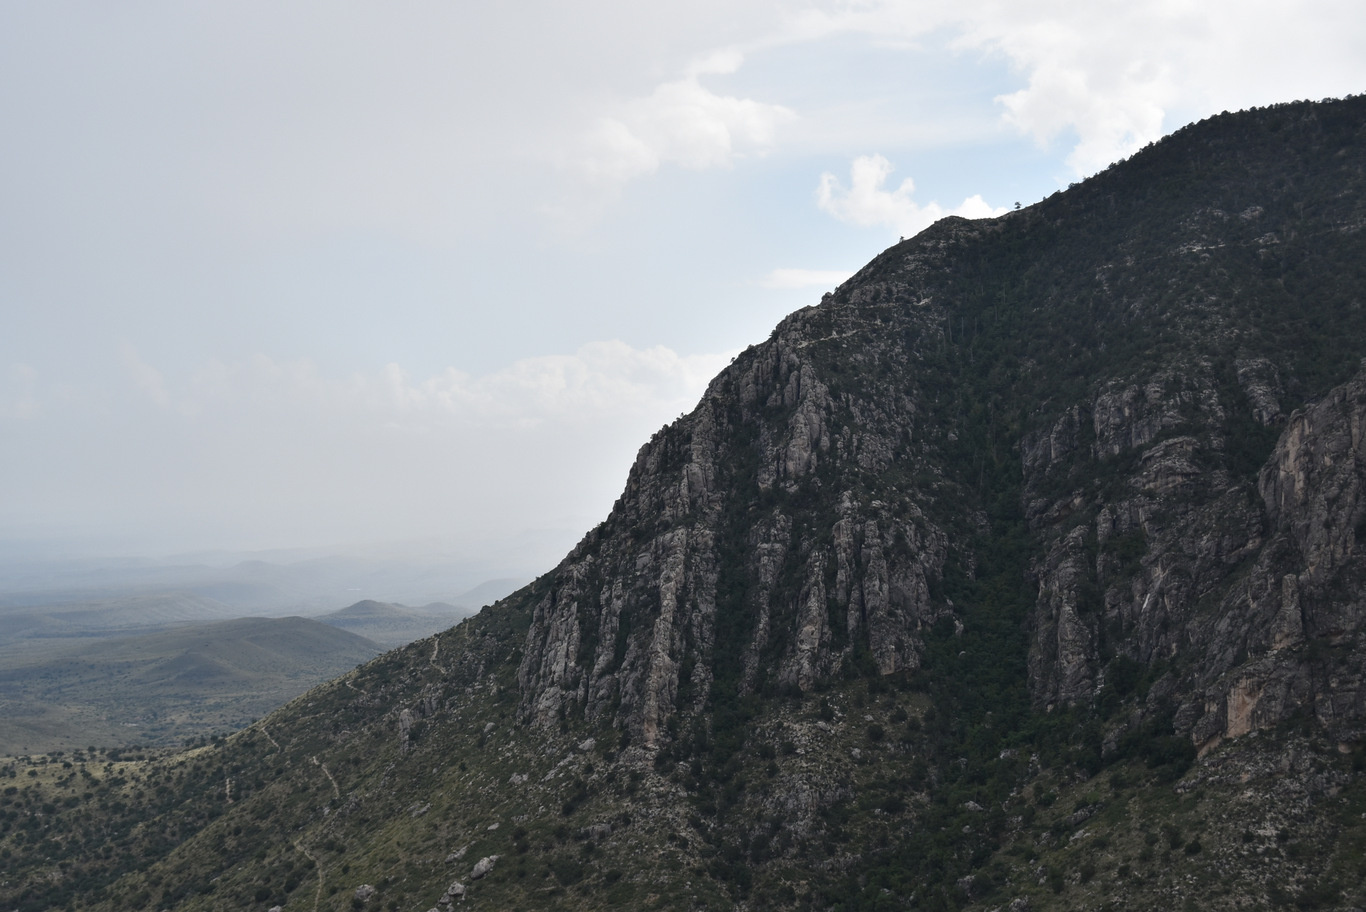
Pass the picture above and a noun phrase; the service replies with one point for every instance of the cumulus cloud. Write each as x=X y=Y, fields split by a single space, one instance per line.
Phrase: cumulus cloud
x=805 y=278
x=1105 y=73
x=1112 y=77
x=683 y=123
x=1105 y=78
x=606 y=379
x=867 y=203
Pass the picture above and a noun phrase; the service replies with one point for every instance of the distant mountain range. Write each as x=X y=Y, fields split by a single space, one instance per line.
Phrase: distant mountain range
x=164 y=687
x=223 y=586
x=51 y=639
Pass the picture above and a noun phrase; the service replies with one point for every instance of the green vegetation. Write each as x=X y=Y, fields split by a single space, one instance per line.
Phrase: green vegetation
x=165 y=688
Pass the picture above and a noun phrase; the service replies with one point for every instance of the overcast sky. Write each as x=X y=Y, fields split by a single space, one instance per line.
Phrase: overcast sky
x=289 y=274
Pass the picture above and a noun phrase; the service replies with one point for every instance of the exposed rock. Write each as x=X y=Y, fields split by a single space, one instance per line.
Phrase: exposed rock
x=1261 y=383
x=483 y=866
x=454 y=893
x=364 y=892
x=1186 y=528
x=627 y=625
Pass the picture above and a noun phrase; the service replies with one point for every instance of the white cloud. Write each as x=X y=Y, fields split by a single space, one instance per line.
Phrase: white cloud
x=600 y=380
x=144 y=376
x=1106 y=77
x=805 y=278
x=1120 y=75
x=721 y=62
x=1107 y=73
x=867 y=204
x=681 y=123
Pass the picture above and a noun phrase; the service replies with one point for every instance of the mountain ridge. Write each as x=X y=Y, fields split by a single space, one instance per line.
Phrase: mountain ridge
x=1021 y=572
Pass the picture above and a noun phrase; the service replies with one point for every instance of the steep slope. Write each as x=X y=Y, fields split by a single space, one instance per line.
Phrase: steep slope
x=1117 y=362
x=1021 y=570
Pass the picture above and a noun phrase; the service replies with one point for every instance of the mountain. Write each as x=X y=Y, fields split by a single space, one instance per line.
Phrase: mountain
x=94 y=594
x=393 y=625
x=166 y=687
x=1019 y=573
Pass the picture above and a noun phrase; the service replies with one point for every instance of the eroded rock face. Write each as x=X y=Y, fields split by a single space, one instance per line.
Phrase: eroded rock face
x=1121 y=384
x=748 y=545
x=1306 y=593
x=1148 y=524
x=1255 y=603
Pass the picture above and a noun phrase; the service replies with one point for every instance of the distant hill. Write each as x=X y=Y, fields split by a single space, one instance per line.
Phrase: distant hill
x=391 y=624
x=164 y=687
x=286 y=584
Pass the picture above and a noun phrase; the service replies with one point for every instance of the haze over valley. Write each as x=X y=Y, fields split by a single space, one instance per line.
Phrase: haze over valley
x=127 y=652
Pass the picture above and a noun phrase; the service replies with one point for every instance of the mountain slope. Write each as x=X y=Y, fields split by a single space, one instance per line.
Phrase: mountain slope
x=1021 y=571
x=165 y=687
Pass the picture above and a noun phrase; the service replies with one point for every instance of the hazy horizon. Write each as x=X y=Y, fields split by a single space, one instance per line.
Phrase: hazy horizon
x=302 y=276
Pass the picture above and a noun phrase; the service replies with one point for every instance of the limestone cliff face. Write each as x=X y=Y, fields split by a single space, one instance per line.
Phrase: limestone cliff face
x=1145 y=380
x=1153 y=529
x=1253 y=605
x=748 y=545
x=1299 y=615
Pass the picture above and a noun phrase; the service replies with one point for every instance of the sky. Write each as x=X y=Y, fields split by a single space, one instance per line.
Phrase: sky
x=338 y=275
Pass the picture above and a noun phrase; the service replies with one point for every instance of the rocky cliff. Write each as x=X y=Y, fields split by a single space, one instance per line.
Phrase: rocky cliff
x=1144 y=365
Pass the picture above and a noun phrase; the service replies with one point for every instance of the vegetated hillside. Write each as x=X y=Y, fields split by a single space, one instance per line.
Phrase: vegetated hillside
x=1019 y=573
x=168 y=687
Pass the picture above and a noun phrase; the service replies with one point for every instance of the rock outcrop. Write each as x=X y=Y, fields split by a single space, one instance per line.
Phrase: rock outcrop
x=746 y=546
x=839 y=482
